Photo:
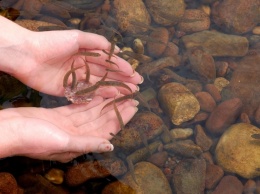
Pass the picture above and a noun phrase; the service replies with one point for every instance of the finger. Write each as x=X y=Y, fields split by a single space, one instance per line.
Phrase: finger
x=115 y=62
x=97 y=115
x=100 y=71
x=113 y=125
x=85 y=144
x=75 y=108
x=93 y=41
x=108 y=123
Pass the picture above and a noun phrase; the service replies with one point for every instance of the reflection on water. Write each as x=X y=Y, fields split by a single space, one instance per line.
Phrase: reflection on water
x=200 y=61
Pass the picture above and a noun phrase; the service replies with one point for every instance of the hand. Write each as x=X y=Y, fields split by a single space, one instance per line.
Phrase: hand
x=61 y=133
x=41 y=59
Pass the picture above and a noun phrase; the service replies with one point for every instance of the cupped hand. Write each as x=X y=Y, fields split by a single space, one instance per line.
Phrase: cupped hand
x=62 y=133
x=41 y=59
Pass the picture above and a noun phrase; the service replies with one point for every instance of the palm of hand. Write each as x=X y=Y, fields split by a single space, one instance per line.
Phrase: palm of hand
x=53 y=53
x=66 y=132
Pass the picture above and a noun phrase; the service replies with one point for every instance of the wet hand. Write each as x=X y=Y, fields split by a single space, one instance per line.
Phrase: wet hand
x=61 y=133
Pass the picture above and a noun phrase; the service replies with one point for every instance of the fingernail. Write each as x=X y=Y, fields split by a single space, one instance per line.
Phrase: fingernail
x=137 y=88
x=136 y=109
x=132 y=74
x=117 y=49
x=106 y=147
x=136 y=102
x=142 y=80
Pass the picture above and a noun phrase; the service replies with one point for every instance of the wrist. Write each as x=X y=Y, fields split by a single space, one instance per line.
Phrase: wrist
x=14 y=39
x=9 y=141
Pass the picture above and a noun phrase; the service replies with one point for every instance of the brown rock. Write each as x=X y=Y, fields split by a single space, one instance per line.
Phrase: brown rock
x=224 y=115
x=127 y=12
x=217 y=44
x=207 y=103
x=143 y=125
x=55 y=10
x=186 y=148
x=178 y=102
x=158 y=159
x=214 y=92
x=207 y=157
x=8 y=183
x=171 y=50
x=222 y=68
x=202 y=139
x=202 y=64
x=118 y=187
x=155 y=66
x=33 y=24
x=194 y=20
x=244 y=83
x=238 y=152
x=80 y=173
x=213 y=175
x=148 y=179
x=154 y=48
x=166 y=12
x=229 y=15
x=249 y=187
x=31 y=8
x=257 y=115
x=229 y=184
x=189 y=176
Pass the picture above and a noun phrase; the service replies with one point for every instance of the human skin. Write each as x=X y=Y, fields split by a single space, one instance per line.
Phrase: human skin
x=40 y=60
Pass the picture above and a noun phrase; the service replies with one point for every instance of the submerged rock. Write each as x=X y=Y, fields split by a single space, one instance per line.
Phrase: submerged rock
x=178 y=102
x=238 y=152
x=189 y=176
x=148 y=179
x=130 y=13
x=194 y=20
x=236 y=16
x=166 y=12
x=217 y=44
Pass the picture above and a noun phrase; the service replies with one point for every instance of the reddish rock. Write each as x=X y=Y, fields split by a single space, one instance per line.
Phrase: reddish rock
x=207 y=102
x=229 y=185
x=80 y=173
x=213 y=175
x=202 y=139
x=244 y=118
x=244 y=83
x=236 y=16
x=160 y=38
x=207 y=157
x=166 y=12
x=214 y=92
x=202 y=63
x=249 y=187
x=171 y=50
x=224 y=115
x=222 y=68
x=158 y=159
x=8 y=183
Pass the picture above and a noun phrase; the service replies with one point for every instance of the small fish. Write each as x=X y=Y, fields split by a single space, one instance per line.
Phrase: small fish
x=115 y=83
x=66 y=77
x=139 y=57
x=119 y=117
x=111 y=62
x=256 y=136
x=129 y=96
x=87 y=53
